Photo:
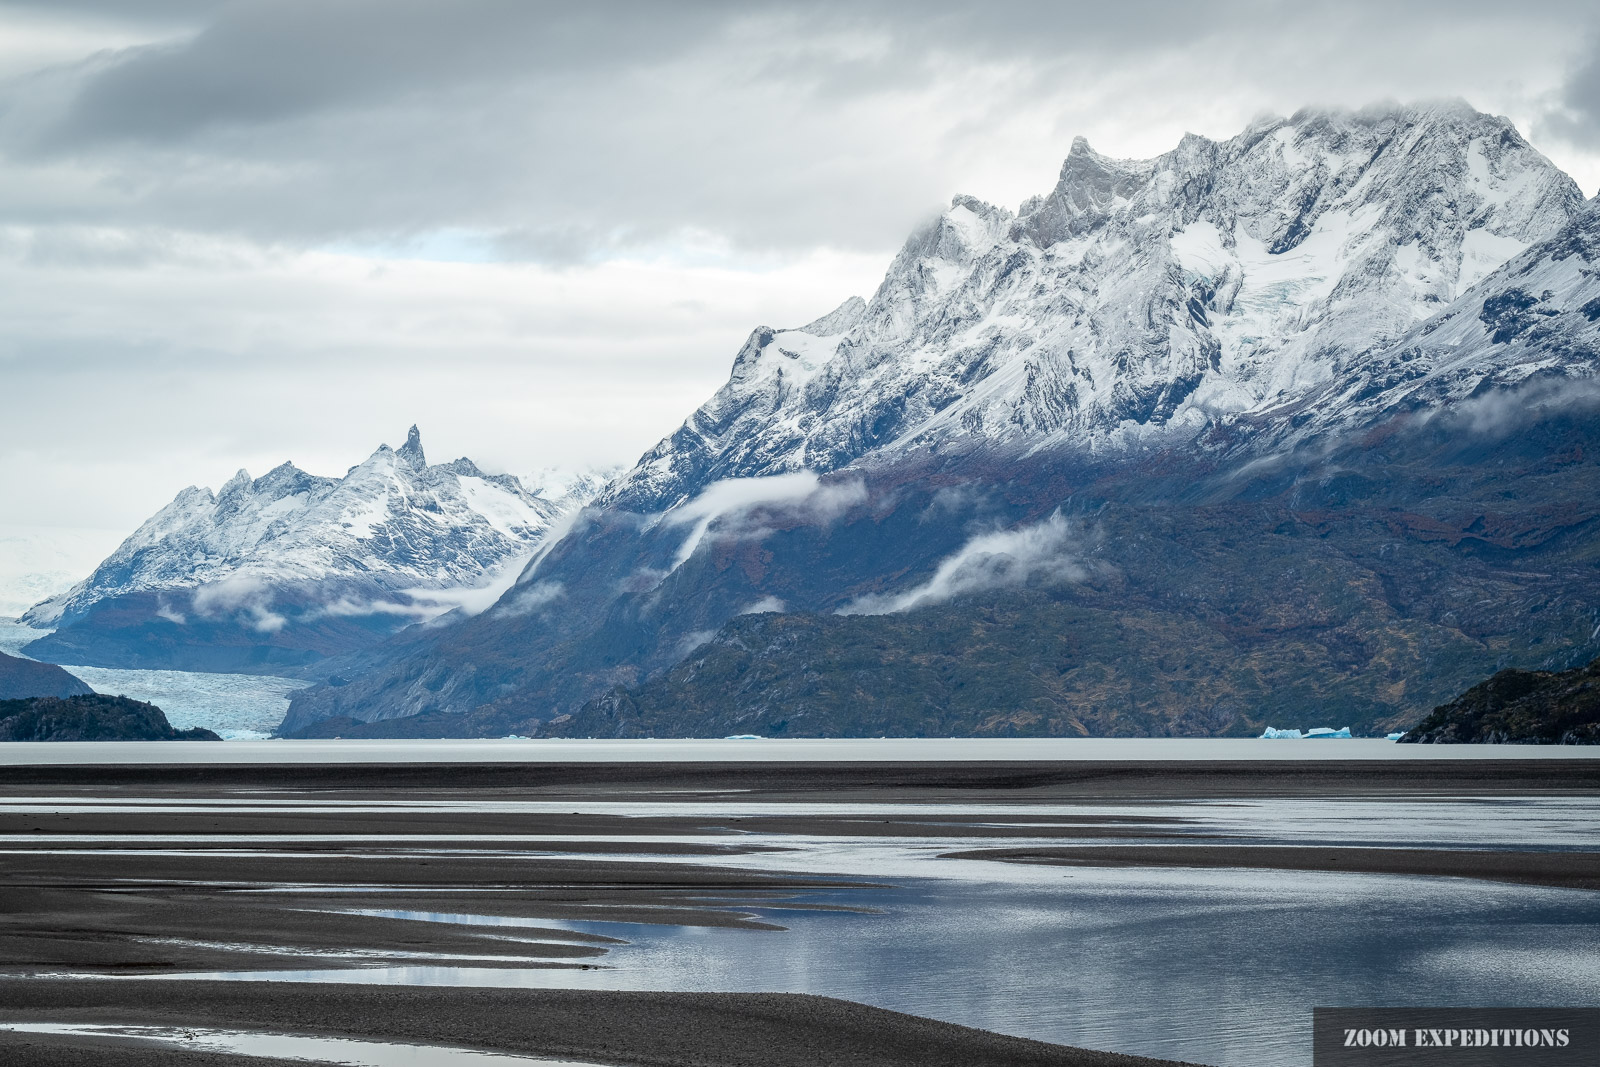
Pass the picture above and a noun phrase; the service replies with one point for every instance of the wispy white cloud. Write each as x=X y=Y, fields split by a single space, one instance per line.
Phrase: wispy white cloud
x=525 y=600
x=249 y=598
x=732 y=507
x=693 y=640
x=1499 y=411
x=1044 y=553
x=165 y=610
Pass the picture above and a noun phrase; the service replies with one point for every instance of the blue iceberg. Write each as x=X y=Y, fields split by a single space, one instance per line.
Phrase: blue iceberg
x=1315 y=733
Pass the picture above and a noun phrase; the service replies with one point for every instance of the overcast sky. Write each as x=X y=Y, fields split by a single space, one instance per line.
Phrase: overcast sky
x=237 y=233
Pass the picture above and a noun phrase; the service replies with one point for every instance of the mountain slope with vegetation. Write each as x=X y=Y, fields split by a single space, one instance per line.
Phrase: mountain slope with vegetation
x=95 y=717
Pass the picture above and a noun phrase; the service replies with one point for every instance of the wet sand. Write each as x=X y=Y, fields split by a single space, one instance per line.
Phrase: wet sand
x=1560 y=870
x=676 y=1029
x=853 y=782
x=142 y=905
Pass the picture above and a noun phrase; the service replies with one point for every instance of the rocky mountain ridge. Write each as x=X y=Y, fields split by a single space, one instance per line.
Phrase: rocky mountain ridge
x=24 y=678
x=392 y=518
x=91 y=717
x=280 y=570
x=1140 y=303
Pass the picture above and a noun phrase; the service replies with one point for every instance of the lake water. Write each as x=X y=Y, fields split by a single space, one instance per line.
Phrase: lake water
x=1217 y=966
x=797 y=750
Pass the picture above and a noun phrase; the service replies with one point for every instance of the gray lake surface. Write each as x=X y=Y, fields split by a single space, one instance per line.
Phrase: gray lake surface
x=764 y=750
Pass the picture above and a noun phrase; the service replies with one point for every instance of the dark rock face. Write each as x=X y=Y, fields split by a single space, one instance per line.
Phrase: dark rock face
x=1367 y=583
x=90 y=718
x=21 y=678
x=1520 y=707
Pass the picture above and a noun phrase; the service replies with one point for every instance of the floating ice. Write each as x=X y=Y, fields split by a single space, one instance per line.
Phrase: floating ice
x=1318 y=732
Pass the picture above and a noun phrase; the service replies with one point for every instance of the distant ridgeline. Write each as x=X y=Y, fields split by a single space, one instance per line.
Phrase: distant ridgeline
x=274 y=573
x=89 y=718
x=21 y=678
x=1520 y=707
x=1292 y=428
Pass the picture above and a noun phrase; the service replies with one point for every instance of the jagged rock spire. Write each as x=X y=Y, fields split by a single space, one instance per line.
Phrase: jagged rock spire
x=411 y=452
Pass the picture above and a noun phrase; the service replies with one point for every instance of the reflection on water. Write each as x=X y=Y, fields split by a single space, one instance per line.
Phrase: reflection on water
x=1218 y=967
x=1442 y=822
x=290 y=1046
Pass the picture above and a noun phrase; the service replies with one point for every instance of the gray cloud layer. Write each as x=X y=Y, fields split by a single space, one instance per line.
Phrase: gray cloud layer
x=568 y=132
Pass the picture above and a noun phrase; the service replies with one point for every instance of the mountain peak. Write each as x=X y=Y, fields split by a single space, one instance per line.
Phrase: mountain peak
x=1219 y=281
x=839 y=320
x=440 y=527
x=240 y=481
x=411 y=452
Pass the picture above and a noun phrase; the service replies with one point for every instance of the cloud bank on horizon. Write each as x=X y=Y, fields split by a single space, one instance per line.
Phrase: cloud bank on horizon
x=237 y=233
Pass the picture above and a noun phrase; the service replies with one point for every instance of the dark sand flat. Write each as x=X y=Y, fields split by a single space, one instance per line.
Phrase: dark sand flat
x=1023 y=782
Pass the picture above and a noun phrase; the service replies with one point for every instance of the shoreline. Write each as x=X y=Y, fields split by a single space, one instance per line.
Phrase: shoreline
x=775 y=750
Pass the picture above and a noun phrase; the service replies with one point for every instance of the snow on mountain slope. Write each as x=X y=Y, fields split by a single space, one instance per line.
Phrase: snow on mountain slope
x=1536 y=317
x=1139 y=299
x=568 y=487
x=392 y=521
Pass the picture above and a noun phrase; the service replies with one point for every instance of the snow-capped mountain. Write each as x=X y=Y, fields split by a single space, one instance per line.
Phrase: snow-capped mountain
x=569 y=487
x=1141 y=300
x=1306 y=418
x=273 y=573
x=392 y=520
